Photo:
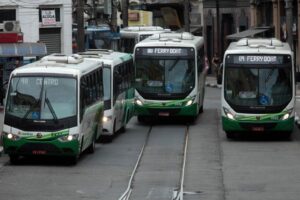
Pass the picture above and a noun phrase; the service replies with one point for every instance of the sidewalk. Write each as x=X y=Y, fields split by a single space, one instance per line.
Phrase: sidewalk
x=211 y=81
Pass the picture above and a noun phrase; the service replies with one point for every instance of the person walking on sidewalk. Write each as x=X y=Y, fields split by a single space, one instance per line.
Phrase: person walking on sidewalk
x=215 y=64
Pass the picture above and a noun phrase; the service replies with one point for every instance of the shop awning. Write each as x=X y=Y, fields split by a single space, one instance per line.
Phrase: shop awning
x=246 y=33
x=22 y=49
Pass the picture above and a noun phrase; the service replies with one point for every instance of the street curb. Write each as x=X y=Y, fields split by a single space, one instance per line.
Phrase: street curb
x=213 y=85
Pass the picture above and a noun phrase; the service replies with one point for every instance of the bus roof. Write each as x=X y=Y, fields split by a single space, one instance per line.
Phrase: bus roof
x=108 y=57
x=59 y=64
x=133 y=31
x=259 y=46
x=183 y=39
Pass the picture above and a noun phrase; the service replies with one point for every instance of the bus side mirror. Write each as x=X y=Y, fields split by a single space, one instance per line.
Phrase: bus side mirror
x=297 y=76
x=220 y=74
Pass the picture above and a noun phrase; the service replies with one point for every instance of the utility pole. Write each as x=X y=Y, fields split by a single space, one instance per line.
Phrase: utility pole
x=80 y=25
x=187 y=15
x=94 y=12
x=218 y=28
x=289 y=22
x=114 y=24
x=125 y=12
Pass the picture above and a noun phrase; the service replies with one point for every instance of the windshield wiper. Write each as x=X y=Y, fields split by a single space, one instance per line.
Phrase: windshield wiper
x=175 y=63
x=51 y=110
x=31 y=109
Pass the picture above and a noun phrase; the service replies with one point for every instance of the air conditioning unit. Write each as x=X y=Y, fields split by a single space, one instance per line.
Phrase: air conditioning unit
x=11 y=26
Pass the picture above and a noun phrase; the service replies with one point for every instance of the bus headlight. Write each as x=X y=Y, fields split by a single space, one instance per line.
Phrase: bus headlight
x=106 y=118
x=11 y=136
x=138 y=102
x=191 y=101
x=68 y=138
x=228 y=114
x=287 y=115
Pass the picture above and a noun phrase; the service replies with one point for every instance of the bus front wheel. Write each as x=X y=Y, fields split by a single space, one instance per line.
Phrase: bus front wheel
x=231 y=135
x=14 y=159
x=92 y=147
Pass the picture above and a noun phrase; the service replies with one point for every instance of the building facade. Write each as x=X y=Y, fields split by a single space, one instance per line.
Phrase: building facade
x=44 y=21
x=283 y=16
x=225 y=17
x=222 y=18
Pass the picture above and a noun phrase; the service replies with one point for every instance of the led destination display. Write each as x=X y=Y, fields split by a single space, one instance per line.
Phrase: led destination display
x=162 y=51
x=258 y=59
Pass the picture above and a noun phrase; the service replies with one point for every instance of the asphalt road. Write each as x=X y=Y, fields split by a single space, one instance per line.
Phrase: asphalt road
x=249 y=168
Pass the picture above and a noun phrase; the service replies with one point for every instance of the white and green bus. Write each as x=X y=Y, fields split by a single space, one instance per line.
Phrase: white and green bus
x=118 y=89
x=258 y=87
x=170 y=75
x=132 y=35
x=53 y=107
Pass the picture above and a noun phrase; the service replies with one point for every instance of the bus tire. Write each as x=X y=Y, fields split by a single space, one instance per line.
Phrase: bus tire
x=123 y=128
x=286 y=135
x=108 y=138
x=73 y=160
x=201 y=109
x=141 y=119
x=92 y=147
x=230 y=135
x=14 y=159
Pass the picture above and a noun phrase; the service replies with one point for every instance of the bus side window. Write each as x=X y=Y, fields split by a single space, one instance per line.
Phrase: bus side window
x=200 y=60
x=132 y=73
x=83 y=96
x=98 y=84
x=94 y=87
x=116 y=87
x=101 y=83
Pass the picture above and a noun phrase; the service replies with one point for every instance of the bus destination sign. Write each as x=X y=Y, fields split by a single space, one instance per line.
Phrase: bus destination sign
x=256 y=59
x=164 y=51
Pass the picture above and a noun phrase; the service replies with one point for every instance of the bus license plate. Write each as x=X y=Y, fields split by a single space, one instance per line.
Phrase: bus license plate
x=164 y=114
x=258 y=129
x=39 y=152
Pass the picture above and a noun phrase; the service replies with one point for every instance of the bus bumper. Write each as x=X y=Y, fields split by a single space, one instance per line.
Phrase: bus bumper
x=55 y=147
x=165 y=111
x=250 y=126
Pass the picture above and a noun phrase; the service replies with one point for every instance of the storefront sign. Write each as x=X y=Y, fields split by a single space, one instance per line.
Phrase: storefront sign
x=48 y=17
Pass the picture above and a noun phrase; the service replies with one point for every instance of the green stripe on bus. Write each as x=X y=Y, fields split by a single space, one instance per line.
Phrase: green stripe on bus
x=234 y=125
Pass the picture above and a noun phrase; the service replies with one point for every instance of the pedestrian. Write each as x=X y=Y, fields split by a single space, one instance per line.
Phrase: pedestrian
x=215 y=64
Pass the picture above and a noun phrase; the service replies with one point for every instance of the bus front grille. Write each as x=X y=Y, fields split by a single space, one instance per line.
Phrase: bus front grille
x=265 y=126
x=28 y=148
x=171 y=112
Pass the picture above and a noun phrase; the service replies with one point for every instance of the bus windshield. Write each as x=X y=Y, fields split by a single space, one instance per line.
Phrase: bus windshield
x=42 y=98
x=144 y=36
x=165 y=77
x=258 y=87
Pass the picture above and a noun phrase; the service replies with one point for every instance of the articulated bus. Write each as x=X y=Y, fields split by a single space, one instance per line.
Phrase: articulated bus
x=53 y=107
x=130 y=36
x=118 y=88
x=170 y=75
x=258 y=87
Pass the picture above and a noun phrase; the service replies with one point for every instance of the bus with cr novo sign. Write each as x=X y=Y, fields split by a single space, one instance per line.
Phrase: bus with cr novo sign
x=54 y=107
